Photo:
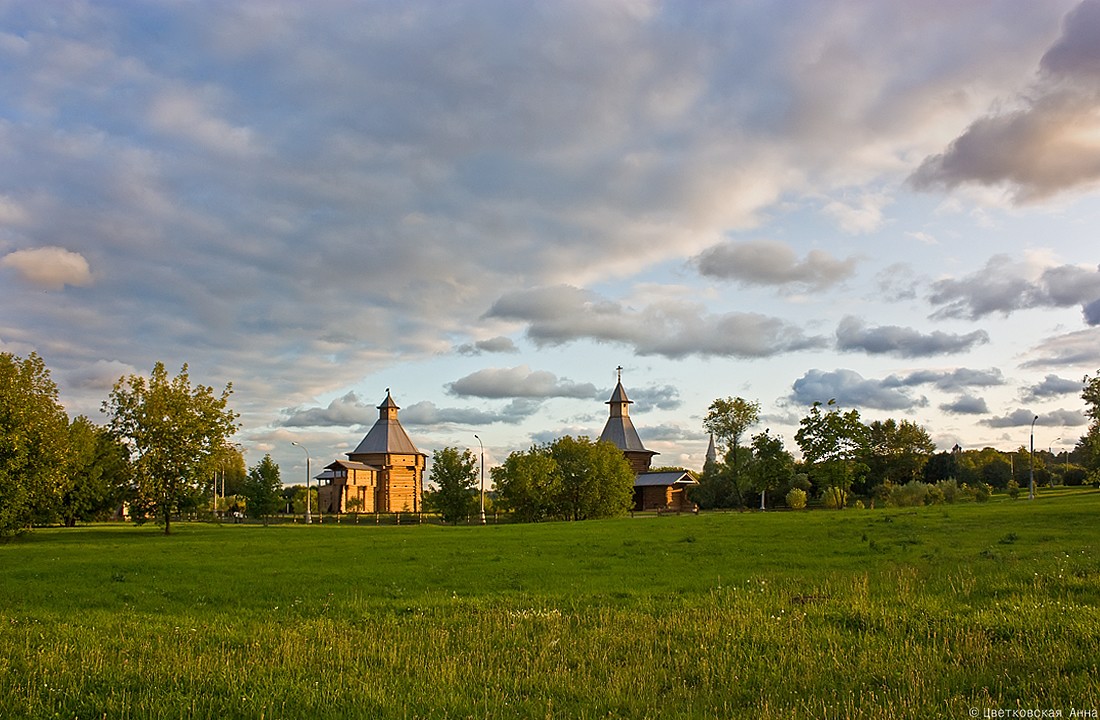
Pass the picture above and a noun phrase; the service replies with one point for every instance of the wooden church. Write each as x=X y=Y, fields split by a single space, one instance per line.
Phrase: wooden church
x=652 y=490
x=384 y=473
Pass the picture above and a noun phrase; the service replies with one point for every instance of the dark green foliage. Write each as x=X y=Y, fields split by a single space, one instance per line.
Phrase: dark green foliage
x=33 y=444
x=455 y=476
x=98 y=473
x=569 y=479
x=263 y=489
x=833 y=444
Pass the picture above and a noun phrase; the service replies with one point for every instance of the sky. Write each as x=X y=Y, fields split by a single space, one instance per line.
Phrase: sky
x=488 y=207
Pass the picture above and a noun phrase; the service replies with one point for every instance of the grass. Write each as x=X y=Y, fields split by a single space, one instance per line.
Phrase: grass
x=879 y=614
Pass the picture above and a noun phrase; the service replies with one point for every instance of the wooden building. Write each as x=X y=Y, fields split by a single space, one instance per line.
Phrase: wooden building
x=664 y=491
x=385 y=472
x=620 y=431
x=652 y=490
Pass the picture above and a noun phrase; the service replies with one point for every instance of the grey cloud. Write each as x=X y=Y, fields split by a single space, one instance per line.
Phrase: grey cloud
x=966 y=405
x=1051 y=386
x=959 y=379
x=1091 y=312
x=1039 y=149
x=348 y=410
x=492 y=345
x=519 y=382
x=1004 y=285
x=851 y=389
x=427 y=413
x=853 y=335
x=663 y=397
x=1073 y=349
x=768 y=262
x=1022 y=418
x=557 y=315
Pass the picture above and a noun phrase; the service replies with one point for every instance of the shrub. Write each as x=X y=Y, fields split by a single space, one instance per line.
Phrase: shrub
x=949 y=489
x=796 y=499
x=1013 y=489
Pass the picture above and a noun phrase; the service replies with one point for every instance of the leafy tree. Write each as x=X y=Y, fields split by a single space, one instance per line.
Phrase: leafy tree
x=596 y=479
x=263 y=489
x=455 y=476
x=832 y=444
x=529 y=485
x=33 y=439
x=571 y=478
x=716 y=488
x=772 y=467
x=173 y=432
x=98 y=473
x=897 y=452
x=728 y=419
x=1089 y=445
x=298 y=498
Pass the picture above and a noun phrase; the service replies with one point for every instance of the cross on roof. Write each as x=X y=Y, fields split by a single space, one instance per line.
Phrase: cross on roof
x=620 y=371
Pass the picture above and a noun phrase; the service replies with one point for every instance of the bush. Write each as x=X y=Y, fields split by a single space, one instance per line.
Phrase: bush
x=1013 y=489
x=796 y=499
x=949 y=489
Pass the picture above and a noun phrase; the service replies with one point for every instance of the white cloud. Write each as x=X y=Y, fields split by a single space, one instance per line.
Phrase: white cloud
x=519 y=382
x=49 y=267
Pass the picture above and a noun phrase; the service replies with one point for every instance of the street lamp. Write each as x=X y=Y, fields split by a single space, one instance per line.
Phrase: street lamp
x=482 y=478
x=1031 y=472
x=309 y=518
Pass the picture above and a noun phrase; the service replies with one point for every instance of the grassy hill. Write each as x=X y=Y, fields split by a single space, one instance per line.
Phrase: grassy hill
x=882 y=614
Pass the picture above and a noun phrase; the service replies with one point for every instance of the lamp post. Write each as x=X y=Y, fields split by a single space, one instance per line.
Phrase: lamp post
x=1053 y=460
x=1031 y=470
x=482 y=516
x=309 y=518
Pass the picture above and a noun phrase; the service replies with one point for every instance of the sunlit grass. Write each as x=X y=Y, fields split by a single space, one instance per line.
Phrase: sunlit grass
x=896 y=613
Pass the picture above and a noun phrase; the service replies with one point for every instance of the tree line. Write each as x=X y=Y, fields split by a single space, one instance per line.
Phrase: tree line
x=845 y=460
x=159 y=453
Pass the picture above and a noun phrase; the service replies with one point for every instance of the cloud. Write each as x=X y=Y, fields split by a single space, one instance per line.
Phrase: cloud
x=662 y=397
x=184 y=114
x=1005 y=285
x=345 y=411
x=100 y=375
x=768 y=262
x=966 y=405
x=1076 y=348
x=519 y=382
x=1091 y=312
x=427 y=413
x=861 y=217
x=671 y=328
x=492 y=345
x=1046 y=145
x=49 y=267
x=853 y=335
x=957 y=380
x=1022 y=418
x=851 y=389
x=1051 y=386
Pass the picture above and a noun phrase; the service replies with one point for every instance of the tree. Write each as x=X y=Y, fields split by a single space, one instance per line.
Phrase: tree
x=571 y=479
x=728 y=419
x=772 y=467
x=897 y=452
x=263 y=489
x=1090 y=441
x=97 y=473
x=596 y=479
x=528 y=484
x=832 y=443
x=33 y=439
x=173 y=432
x=454 y=475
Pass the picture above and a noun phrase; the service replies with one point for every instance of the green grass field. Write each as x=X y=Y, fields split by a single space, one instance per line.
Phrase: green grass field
x=922 y=613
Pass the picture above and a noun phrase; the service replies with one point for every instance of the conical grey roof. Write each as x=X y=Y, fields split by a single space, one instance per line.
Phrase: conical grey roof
x=386 y=436
x=619 y=429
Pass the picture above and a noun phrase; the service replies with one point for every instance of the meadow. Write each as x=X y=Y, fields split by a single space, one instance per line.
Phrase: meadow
x=948 y=611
